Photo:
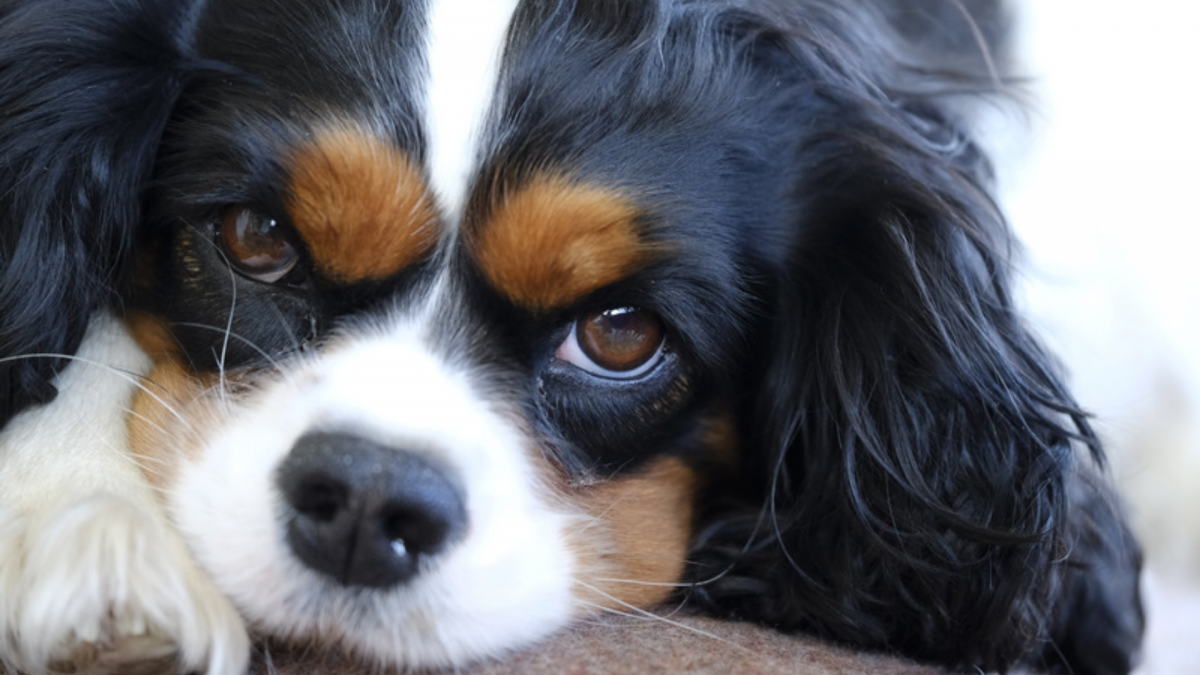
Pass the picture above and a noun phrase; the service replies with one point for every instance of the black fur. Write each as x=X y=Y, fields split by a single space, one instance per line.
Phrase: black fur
x=917 y=477
x=85 y=90
x=928 y=480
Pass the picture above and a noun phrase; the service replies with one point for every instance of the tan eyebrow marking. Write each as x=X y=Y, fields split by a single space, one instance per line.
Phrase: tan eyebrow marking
x=552 y=241
x=360 y=204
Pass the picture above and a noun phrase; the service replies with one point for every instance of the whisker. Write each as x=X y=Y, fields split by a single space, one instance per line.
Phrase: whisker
x=154 y=460
x=227 y=331
x=233 y=299
x=124 y=374
x=271 y=360
x=617 y=612
x=228 y=322
x=646 y=614
x=152 y=471
x=658 y=584
x=268 y=662
x=985 y=49
x=157 y=427
x=603 y=609
x=296 y=345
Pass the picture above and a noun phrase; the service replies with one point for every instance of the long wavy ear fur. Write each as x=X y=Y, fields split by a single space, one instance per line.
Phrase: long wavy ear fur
x=911 y=446
x=84 y=96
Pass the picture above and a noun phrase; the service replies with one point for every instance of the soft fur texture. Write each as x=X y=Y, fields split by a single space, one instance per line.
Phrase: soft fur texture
x=332 y=269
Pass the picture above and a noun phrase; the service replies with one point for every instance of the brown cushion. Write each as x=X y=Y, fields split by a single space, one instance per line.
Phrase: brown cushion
x=633 y=645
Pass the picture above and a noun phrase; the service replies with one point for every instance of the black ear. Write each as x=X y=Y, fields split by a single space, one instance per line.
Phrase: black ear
x=910 y=445
x=85 y=90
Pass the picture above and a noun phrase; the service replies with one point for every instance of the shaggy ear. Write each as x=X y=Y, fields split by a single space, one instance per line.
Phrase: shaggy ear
x=912 y=439
x=85 y=90
x=910 y=444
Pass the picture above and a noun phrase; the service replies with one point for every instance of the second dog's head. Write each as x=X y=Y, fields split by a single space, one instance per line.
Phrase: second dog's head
x=466 y=319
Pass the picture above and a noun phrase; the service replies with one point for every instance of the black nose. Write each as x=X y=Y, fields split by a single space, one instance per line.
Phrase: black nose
x=365 y=513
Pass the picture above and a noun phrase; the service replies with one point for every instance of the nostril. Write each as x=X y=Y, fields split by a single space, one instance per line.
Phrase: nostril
x=320 y=498
x=416 y=530
x=364 y=513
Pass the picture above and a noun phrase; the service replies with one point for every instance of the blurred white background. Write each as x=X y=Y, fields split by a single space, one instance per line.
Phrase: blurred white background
x=1105 y=192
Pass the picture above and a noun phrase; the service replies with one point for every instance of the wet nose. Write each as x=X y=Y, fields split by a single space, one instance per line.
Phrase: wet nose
x=365 y=513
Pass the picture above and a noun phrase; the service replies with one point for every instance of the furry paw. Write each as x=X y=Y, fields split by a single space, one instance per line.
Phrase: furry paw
x=102 y=586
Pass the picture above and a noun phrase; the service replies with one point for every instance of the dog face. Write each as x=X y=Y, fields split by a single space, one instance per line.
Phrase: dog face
x=469 y=319
x=445 y=343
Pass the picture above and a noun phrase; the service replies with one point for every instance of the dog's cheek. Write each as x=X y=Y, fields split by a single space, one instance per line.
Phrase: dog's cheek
x=637 y=546
x=168 y=412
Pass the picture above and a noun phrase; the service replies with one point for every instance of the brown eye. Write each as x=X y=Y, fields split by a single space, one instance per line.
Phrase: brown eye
x=256 y=245
x=622 y=343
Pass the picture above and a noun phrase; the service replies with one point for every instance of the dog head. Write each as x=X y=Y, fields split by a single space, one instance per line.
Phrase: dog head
x=468 y=320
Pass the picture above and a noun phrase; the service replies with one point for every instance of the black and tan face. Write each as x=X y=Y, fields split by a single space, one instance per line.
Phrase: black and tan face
x=442 y=328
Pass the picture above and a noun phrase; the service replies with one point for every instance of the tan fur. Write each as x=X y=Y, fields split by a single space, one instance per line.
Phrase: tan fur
x=553 y=241
x=360 y=204
x=645 y=523
x=151 y=335
x=156 y=431
x=155 y=434
x=724 y=448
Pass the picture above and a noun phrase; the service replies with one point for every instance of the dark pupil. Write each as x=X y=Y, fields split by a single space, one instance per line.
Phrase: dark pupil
x=256 y=233
x=262 y=226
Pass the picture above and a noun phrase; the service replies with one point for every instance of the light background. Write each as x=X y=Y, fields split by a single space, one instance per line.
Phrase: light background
x=1105 y=192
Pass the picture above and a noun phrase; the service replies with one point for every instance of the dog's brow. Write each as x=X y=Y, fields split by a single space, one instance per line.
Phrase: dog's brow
x=360 y=205
x=553 y=241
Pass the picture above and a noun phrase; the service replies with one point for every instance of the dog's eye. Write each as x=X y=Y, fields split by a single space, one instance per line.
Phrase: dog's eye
x=256 y=244
x=620 y=343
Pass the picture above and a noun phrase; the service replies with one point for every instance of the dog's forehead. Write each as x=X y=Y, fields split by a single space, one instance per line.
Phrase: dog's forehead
x=543 y=236
x=429 y=143
x=463 y=47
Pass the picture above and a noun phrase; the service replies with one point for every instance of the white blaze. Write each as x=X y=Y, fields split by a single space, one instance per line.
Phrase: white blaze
x=466 y=42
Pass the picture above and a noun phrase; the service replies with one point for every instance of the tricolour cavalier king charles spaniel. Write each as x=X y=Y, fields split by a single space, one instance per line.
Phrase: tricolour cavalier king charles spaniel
x=425 y=328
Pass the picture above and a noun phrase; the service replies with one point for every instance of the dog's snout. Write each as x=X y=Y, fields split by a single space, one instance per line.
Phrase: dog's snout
x=365 y=513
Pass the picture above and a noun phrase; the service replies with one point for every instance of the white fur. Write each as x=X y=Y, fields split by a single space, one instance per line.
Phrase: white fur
x=508 y=583
x=88 y=564
x=466 y=41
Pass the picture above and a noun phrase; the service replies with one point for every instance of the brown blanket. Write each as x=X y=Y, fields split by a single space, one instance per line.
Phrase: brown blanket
x=627 y=645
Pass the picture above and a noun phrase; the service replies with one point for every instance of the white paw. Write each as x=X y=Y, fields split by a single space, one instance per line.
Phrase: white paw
x=102 y=586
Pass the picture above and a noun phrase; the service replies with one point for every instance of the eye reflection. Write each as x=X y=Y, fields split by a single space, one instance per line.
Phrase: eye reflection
x=257 y=245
